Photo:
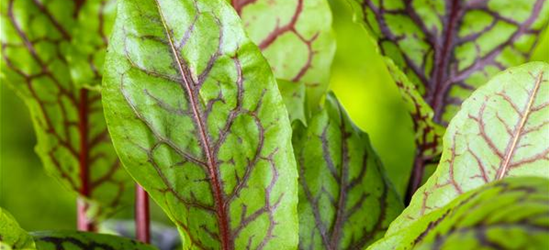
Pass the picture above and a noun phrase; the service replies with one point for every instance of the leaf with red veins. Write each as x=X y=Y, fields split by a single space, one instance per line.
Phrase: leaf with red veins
x=342 y=182
x=298 y=46
x=500 y=131
x=73 y=142
x=447 y=49
x=507 y=214
x=72 y=240
x=198 y=121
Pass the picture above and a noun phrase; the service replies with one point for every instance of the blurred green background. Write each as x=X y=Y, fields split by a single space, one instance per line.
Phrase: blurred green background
x=359 y=79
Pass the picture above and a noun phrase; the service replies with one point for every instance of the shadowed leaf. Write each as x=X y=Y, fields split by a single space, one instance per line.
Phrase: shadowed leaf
x=296 y=37
x=73 y=143
x=294 y=96
x=508 y=214
x=12 y=236
x=500 y=131
x=198 y=121
x=345 y=200
x=68 y=240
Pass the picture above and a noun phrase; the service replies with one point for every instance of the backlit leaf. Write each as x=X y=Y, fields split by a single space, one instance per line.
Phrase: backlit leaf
x=37 y=38
x=198 y=121
x=296 y=38
x=500 y=131
x=345 y=200
x=509 y=214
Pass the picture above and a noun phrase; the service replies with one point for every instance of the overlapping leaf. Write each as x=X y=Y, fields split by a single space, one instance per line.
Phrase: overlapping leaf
x=508 y=214
x=501 y=131
x=296 y=38
x=447 y=49
x=12 y=236
x=294 y=96
x=345 y=200
x=67 y=240
x=197 y=119
x=73 y=142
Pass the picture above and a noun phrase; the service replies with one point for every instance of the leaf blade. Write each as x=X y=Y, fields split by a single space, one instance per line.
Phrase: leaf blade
x=474 y=155
x=199 y=122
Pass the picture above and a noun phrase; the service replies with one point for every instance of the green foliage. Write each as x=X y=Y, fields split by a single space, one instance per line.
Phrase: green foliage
x=12 y=236
x=42 y=42
x=296 y=37
x=342 y=182
x=197 y=119
x=507 y=214
x=500 y=131
x=67 y=240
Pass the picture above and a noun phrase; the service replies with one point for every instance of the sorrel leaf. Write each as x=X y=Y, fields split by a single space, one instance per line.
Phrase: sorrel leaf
x=73 y=142
x=68 y=240
x=294 y=96
x=198 y=121
x=508 y=214
x=12 y=236
x=345 y=199
x=500 y=131
x=447 y=49
x=296 y=37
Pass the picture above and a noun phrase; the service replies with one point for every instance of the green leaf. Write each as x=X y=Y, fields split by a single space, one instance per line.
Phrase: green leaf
x=12 y=236
x=197 y=119
x=508 y=214
x=68 y=240
x=294 y=96
x=346 y=201
x=500 y=131
x=296 y=37
x=450 y=48
x=73 y=143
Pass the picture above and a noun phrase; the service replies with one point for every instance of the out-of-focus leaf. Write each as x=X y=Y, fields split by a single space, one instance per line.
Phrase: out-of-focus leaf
x=198 y=121
x=509 y=214
x=296 y=37
x=500 y=131
x=447 y=49
x=12 y=236
x=346 y=201
x=162 y=236
x=294 y=96
x=68 y=240
x=37 y=38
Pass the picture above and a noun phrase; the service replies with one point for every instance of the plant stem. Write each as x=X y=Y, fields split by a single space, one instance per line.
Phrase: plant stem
x=142 y=220
x=415 y=177
x=84 y=224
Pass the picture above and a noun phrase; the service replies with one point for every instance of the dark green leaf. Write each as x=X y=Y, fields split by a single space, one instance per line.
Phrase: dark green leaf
x=73 y=142
x=346 y=201
x=67 y=240
x=500 y=131
x=12 y=236
x=508 y=214
x=294 y=96
x=198 y=121
x=296 y=38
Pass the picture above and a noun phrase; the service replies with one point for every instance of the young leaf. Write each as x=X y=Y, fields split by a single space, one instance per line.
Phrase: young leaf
x=500 y=131
x=508 y=214
x=447 y=49
x=68 y=240
x=73 y=142
x=12 y=236
x=296 y=37
x=198 y=121
x=345 y=200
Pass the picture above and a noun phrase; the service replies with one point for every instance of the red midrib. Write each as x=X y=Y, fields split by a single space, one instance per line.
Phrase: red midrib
x=443 y=60
x=205 y=143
